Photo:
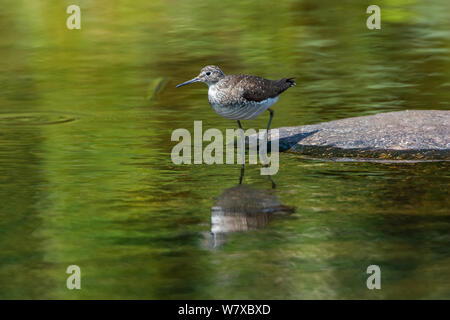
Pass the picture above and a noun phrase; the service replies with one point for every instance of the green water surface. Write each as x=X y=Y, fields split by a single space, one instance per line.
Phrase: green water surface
x=86 y=176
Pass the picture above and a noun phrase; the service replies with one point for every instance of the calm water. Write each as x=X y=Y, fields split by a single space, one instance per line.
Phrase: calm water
x=86 y=177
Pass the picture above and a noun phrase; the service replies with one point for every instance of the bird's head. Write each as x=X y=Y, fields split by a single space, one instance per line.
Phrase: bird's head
x=209 y=75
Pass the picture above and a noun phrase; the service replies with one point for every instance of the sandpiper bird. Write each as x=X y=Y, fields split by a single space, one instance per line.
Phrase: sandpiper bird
x=240 y=96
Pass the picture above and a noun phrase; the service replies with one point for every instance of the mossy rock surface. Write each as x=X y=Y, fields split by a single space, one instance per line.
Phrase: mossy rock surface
x=405 y=135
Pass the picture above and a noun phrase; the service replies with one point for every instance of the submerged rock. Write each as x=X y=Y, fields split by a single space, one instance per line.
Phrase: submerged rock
x=405 y=135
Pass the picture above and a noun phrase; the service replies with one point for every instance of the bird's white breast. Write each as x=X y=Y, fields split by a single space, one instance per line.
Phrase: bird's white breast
x=237 y=110
x=213 y=93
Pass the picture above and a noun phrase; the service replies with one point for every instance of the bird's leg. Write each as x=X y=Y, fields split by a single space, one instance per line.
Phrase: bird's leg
x=268 y=126
x=266 y=138
x=240 y=127
x=242 y=174
x=270 y=120
x=273 y=183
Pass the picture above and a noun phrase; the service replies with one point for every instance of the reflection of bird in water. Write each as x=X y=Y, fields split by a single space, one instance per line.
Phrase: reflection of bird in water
x=242 y=208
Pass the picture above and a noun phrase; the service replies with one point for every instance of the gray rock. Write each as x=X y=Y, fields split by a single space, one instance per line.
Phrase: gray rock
x=405 y=135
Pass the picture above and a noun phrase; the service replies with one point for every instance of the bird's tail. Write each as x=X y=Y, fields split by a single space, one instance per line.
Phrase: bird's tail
x=291 y=82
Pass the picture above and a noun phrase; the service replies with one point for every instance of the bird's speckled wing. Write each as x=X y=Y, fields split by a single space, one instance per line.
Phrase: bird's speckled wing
x=257 y=89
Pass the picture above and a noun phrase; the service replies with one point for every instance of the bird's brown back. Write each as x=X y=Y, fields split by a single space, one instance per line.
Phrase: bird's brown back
x=253 y=88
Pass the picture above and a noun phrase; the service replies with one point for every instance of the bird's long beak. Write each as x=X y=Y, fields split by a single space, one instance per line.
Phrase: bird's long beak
x=196 y=79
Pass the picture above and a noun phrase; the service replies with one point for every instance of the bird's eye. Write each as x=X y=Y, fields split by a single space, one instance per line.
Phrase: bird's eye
x=208 y=73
